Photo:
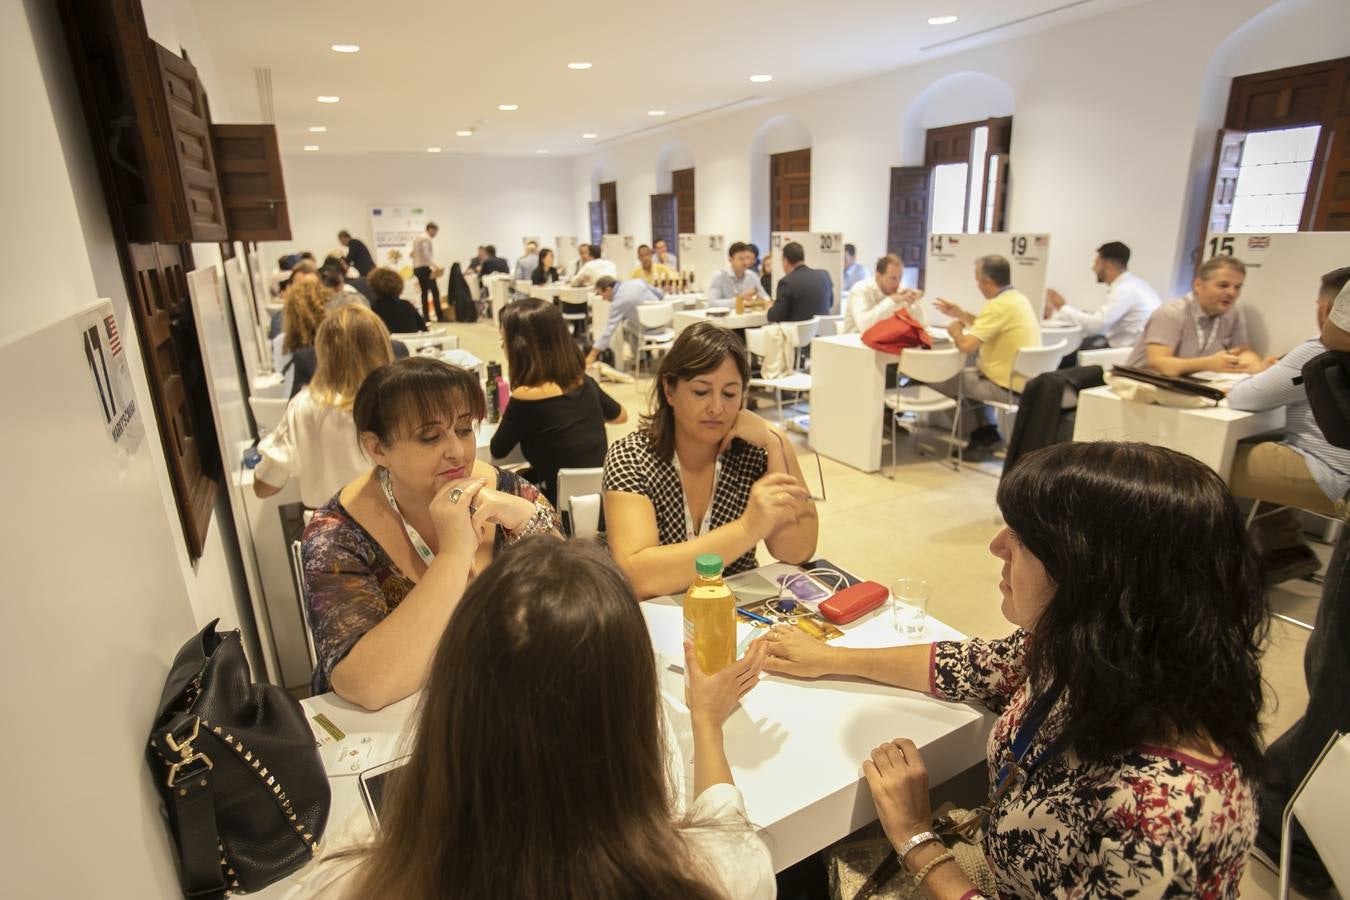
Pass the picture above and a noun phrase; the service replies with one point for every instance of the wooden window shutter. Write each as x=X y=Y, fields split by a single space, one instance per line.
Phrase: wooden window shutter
x=253 y=192
x=1332 y=212
x=664 y=218
x=190 y=133
x=609 y=208
x=790 y=190
x=1223 y=184
x=907 y=216
x=682 y=185
x=159 y=285
x=597 y=217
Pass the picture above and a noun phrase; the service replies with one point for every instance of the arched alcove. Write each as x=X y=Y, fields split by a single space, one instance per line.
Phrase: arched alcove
x=951 y=100
x=674 y=156
x=777 y=134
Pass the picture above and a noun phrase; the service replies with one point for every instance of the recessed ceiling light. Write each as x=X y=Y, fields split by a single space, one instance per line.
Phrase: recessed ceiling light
x=346 y=48
x=541 y=151
x=327 y=98
x=579 y=65
x=433 y=149
x=463 y=133
x=311 y=146
x=941 y=20
x=656 y=112
x=507 y=107
x=590 y=134
x=760 y=79
x=318 y=129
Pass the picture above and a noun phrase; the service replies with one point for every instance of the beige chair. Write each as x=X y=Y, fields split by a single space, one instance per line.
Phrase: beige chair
x=656 y=331
x=1072 y=336
x=1030 y=362
x=1320 y=805
x=928 y=367
x=583 y=519
x=796 y=382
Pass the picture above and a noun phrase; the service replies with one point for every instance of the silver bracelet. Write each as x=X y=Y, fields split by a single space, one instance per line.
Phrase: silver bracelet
x=923 y=837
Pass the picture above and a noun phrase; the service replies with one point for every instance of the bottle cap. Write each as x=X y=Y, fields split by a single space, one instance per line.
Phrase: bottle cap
x=708 y=564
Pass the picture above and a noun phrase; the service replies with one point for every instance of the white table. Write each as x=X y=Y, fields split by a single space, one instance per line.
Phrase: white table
x=848 y=389
x=686 y=317
x=1210 y=435
x=546 y=291
x=795 y=747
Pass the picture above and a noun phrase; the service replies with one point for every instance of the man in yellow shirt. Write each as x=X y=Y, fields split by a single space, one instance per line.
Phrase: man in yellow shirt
x=648 y=270
x=1005 y=325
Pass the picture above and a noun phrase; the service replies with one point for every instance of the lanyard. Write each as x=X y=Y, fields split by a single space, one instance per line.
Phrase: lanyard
x=1202 y=338
x=418 y=544
x=1026 y=733
x=707 y=513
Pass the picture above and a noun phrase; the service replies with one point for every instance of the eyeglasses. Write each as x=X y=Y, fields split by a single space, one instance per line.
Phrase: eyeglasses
x=820 y=471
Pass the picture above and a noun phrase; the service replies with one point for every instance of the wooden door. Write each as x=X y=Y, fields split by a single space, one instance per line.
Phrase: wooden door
x=190 y=132
x=682 y=186
x=907 y=216
x=252 y=189
x=664 y=220
x=595 y=210
x=1332 y=212
x=609 y=208
x=790 y=190
x=159 y=290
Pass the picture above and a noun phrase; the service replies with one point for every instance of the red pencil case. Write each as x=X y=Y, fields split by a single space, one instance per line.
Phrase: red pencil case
x=855 y=601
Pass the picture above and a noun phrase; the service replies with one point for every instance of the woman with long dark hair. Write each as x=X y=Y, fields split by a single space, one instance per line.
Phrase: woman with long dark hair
x=539 y=767
x=557 y=412
x=1126 y=752
x=545 y=272
x=703 y=474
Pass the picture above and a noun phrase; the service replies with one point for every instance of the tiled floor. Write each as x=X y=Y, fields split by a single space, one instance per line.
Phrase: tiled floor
x=934 y=523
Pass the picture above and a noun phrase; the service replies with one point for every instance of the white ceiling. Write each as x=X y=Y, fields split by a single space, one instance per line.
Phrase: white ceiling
x=426 y=69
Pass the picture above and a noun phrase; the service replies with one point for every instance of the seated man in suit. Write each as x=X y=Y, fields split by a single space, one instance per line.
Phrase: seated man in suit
x=492 y=262
x=803 y=292
x=1005 y=324
x=1205 y=331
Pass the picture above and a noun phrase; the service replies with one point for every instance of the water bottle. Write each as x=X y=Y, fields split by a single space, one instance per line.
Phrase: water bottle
x=494 y=405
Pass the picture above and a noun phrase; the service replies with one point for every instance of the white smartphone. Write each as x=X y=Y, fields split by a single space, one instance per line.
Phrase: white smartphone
x=374 y=786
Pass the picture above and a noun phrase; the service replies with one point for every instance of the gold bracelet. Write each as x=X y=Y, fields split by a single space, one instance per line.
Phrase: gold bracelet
x=933 y=863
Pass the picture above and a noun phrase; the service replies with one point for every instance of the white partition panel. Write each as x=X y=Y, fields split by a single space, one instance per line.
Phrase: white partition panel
x=950 y=269
x=823 y=250
x=217 y=342
x=1284 y=273
x=96 y=610
x=702 y=254
x=620 y=249
x=565 y=251
x=261 y=295
x=253 y=345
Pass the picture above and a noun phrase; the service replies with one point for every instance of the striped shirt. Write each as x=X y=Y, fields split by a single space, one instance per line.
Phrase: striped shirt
x=1282 y=385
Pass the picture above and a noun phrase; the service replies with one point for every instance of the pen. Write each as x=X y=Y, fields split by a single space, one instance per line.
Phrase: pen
x=755 y=617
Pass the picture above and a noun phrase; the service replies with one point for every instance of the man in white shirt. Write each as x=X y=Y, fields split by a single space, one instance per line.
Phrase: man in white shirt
x=663 y=257
x=880 y=297
x=1129 y=300
x=594 y=268
x=736 y=280
x=424 y=260
x=854 y=271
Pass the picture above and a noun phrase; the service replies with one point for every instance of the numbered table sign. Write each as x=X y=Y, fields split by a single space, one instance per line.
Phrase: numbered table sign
x=702 y=255
x=822 y=250
x=950 y=269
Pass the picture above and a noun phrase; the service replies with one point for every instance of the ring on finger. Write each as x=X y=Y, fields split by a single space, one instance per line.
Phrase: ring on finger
x=456 y=494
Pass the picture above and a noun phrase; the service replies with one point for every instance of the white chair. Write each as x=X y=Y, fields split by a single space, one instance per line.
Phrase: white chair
x=795 y=382
x=585 y=515
x=1030 y=362
x=1319 y=804
x=267 y=412
x=930 y=367
x=655 y=331
x=575 y=484
x=1072 y=335
x=830 y=326
x=297 y=572
x=1105 y=357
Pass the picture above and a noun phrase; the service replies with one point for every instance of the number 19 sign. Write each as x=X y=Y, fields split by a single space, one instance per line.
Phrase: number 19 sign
x=950 y=272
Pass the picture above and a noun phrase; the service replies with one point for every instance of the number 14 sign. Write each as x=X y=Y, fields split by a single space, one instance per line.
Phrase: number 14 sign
x=950 y=272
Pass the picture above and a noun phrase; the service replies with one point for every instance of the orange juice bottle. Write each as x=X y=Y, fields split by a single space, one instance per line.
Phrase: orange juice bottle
x=710 y=616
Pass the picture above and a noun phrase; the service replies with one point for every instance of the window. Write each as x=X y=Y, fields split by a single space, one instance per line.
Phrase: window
x=1273 y=179
x=969 y=170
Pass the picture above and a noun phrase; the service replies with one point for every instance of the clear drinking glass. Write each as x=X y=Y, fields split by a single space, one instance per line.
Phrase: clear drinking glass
x=909 y=601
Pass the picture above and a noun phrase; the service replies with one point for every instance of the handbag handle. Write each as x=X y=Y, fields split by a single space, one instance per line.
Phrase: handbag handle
x=192 y=810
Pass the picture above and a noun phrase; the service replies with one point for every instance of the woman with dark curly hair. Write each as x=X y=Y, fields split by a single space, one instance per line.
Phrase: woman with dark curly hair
x=1126 y=751
x=398 y=315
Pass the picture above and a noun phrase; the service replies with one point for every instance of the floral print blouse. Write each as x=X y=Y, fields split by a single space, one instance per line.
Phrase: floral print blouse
x=1152 y=822
x=351 y=583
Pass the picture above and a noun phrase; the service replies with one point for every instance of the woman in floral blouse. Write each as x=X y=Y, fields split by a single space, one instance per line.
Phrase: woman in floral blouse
x=1122 y=763
x=388 y=558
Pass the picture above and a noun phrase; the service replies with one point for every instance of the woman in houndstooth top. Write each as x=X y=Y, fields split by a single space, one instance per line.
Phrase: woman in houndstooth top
x=703 y=475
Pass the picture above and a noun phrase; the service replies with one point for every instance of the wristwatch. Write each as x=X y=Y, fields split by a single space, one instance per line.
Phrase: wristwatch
x=923 y=837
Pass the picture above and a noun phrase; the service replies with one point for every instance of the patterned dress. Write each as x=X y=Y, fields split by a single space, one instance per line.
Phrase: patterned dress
x=1152 y=822
x=632 y=466
x=351 y=583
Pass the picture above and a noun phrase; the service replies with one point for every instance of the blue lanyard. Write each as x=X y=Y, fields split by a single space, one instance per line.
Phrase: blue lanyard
x=1026 y=733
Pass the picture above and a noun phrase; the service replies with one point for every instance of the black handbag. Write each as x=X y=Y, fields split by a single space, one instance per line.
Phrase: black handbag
x=244 y=790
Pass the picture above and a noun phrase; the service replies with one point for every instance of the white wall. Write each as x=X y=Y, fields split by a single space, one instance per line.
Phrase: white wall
x=475 y=200
x=1107 y=112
